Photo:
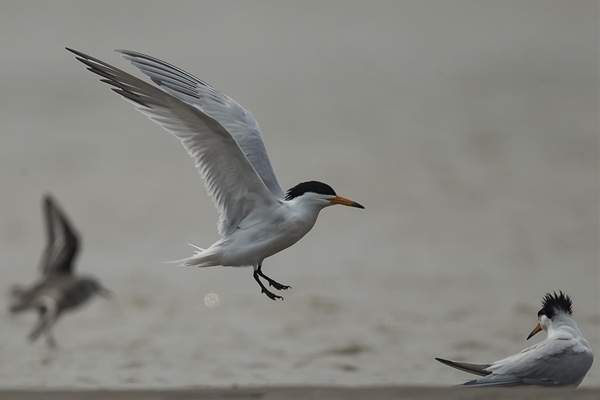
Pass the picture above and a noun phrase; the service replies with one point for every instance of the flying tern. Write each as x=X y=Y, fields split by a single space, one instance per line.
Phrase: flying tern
x=562 y=359
x=59 y=289
x=257 y=219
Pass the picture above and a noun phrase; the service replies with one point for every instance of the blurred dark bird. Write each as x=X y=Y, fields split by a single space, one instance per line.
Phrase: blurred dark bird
x=59 y=289
x=562 y=359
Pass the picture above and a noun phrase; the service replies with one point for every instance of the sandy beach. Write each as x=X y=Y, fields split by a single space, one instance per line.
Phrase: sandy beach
x=469 y=130
x=311 y=393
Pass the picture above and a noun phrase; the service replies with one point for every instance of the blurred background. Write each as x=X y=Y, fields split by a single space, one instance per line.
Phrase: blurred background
x=468 y=129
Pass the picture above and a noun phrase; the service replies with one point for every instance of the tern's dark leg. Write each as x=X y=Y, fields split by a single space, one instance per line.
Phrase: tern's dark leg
x=264 y=290
x=272 y=282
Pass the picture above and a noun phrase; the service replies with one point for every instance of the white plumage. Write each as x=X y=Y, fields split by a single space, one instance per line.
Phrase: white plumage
x=256 y=217
x=562 y=359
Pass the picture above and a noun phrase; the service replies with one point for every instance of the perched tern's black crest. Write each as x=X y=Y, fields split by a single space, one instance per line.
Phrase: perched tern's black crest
x=555 y=304
x=311 y=186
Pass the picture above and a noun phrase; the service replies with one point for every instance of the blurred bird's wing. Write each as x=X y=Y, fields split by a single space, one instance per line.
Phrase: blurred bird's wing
x=232 y=183
x=62 y=242
x=240 y=123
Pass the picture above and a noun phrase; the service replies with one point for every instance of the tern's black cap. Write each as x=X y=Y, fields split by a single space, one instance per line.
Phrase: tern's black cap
x=311 y=186
x=556 y=304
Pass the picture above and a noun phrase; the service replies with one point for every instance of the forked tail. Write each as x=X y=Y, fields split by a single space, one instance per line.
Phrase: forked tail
x=202 y=258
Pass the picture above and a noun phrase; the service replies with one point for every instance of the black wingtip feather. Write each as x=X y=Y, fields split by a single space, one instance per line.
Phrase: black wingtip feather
x=130 y=96
x=477 y=369
x=72 y=50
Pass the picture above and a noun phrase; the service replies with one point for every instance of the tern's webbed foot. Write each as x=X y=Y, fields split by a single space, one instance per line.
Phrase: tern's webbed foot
x=272 y=282
x=271 y=295
x=264 y=290
x=276 y=285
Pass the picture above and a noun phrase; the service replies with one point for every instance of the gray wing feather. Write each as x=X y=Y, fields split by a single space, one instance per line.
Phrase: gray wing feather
x=477 y=369
x=495 y=381
x=229 y=178
x=554 y=362
x=240 y=123
x=62 y=242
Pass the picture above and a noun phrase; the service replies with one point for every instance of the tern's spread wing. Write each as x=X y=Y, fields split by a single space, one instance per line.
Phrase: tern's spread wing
x=231 y=181
x=239 y=122
x=62 y=241
x=549 y=363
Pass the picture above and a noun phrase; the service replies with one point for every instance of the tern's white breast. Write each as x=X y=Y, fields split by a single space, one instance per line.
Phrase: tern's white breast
x=261 y=236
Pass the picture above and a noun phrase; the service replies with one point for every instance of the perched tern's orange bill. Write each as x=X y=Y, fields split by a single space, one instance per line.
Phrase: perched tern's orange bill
x=345 y=202
x=534 y=331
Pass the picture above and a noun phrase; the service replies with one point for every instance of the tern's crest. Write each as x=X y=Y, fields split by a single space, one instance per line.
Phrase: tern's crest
x=556 y=304
x=311 y=186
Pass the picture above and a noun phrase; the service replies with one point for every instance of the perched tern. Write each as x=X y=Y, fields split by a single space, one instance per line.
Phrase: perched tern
x=562 y=359
x=257 y=219
x=58 y=290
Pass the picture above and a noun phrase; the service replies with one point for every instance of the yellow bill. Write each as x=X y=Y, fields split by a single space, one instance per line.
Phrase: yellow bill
x=534 y=331
x=345 y=202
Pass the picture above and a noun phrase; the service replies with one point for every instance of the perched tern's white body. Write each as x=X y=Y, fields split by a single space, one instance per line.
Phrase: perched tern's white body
x=257 y=218
x=562 y=359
